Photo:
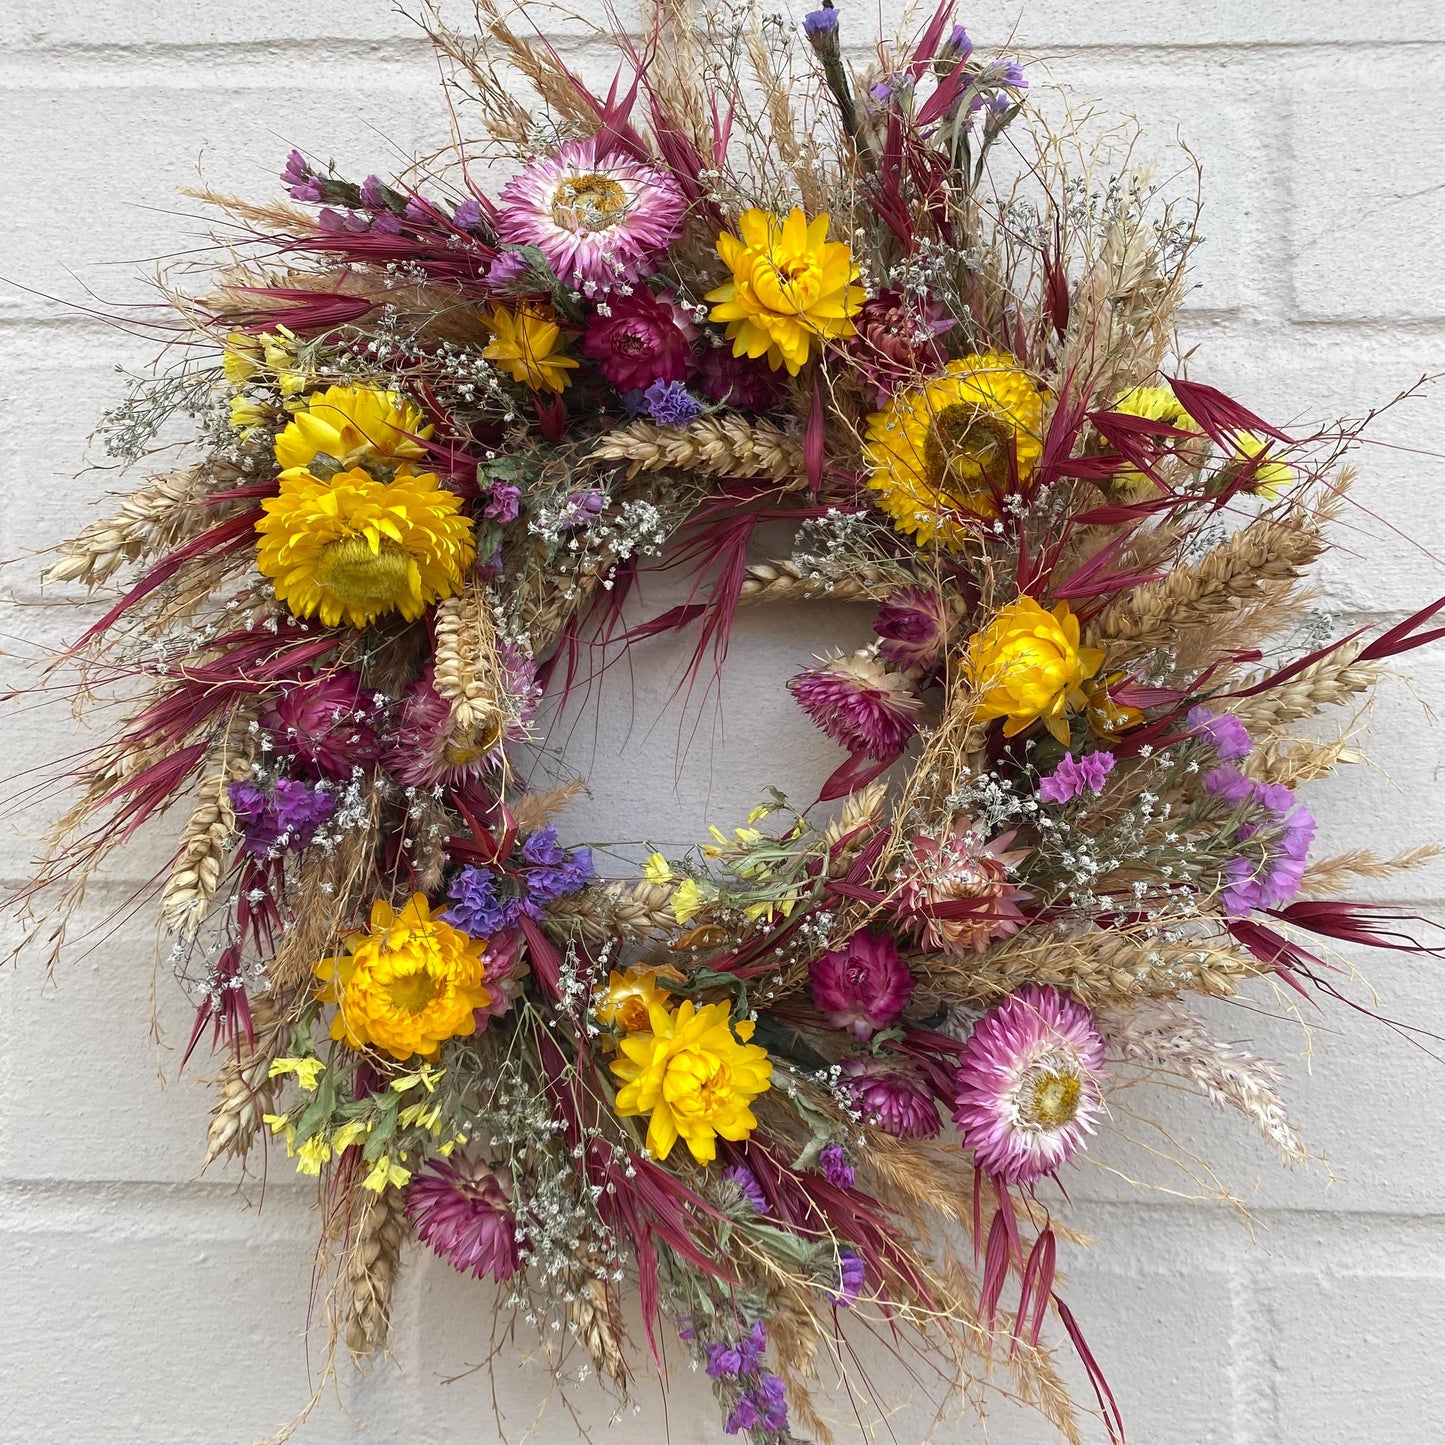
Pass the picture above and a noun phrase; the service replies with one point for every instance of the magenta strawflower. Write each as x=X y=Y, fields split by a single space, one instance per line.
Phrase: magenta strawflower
x=861 y=704
x=863 y=986
x=597 y=217
x=423 y=750
x=897 y=341
x=892 y=1099
x=736 y=381
x=1028 y=1084
x=913 y=625
x=463 y=1211
x=325 y=721
x=645 y=337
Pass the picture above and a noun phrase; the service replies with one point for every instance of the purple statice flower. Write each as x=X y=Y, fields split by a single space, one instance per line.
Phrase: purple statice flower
x=329 y=219
x=820 y=22
x=285 y=817
x=503 y=503
x=727 y=1360
x=958 y=46
x=882 y=92
x=420 y=210
x=468 y=214
x=543 y=848
x=371 y=194
x=1222 y=731
x=852 y=1273
x=1074 y=776
x=300 y=180
x=508 y=270
x=581 y=509
x=477 y=907
x=748 y=1187
x=744 y=1416
x=669 y=403
x=1229 y=785
x=1012 y=75
x=836 y=1168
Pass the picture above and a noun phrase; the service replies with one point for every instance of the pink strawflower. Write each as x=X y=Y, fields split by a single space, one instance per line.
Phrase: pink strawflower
x=597 y=218
x=957 y=888
x=736 y=381
x=647 y=338
x=863 y=986
x=503 y=970
x=914 y=626
x=1028 y=1084
x=1075 y=776
x=464 y=1212
x=326 y=721
x=422 y=750
x=897 y=341
x=891 y=1099
x=861 y=704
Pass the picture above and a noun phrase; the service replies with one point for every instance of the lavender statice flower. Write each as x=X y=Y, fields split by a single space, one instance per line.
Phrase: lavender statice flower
x=852 y=1273
x=554 y=872
x=303 y=183
x=748 y=1187
x=283 y=818
x=477 y=906
x=503 y=504
x=821 y=28
x=836 y=1168
x=669 y=403
x=372 y=194
x=1222 y=731
x=1229 y=785
x=468 y=215
x=509 y=270
x=1074 y=776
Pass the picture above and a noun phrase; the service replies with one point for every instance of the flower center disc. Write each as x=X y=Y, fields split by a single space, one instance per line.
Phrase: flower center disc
x=362 y=578
x=589 y=203
x=1052 y=1099
x=412 y=992
x=967 y=449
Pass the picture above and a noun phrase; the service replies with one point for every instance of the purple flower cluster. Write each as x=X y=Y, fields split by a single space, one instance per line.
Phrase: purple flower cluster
x=852 y=1273
x=483 y=903
x=836 y=1168
x=669 y=403
x=1222 y=731
x=1074 y=776
x=763 y=1405
x=303 y=183
x=748 y=1187
x=284 y=816
x=1268 y=874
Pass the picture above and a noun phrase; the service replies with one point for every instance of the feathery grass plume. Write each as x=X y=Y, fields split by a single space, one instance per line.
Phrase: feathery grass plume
x=246 y=1088
x=370 y=1259
x=1169 y=1037
x=723 y=446
x=195 y=875
x=1329 y=875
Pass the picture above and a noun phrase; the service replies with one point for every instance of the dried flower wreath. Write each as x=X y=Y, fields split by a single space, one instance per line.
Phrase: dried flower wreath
x=764 y=1084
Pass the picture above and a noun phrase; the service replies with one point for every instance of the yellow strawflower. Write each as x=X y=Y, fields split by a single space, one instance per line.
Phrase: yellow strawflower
x=940 y=453
x=409 y=983
x=1150 y=403
x=694 y=1077
x=352 y=548
x=790 y=284
x=631 y=997
x=1027 y=664
x=354 y=426
x=527 y=341
x=1270 y=477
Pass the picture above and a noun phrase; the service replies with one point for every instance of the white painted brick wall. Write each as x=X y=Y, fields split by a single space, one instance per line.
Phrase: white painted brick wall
x=142 y=1303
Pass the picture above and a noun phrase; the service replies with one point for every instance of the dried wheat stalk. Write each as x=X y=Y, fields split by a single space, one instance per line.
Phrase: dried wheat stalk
x=467 y=673
x=789 y=581
x=369 y=1269
x=1331 y=680
x=247 y=1090
x=1329 y=875
x=596 y=1320
x=623 y=910
x=723 y=446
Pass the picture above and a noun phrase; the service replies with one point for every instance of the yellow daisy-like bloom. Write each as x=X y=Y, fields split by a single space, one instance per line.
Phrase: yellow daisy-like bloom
x=353 y=548
x=353 y=426
x=1150 y=403
x=1027 y=664
x=1270 y=477
x=528 y=342
x=631 y=997
x=941 y=453
x=694 y=1077
x=790 y=283
x=407 y=984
